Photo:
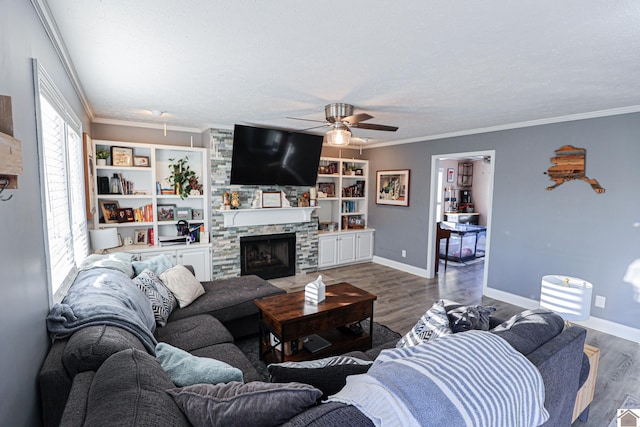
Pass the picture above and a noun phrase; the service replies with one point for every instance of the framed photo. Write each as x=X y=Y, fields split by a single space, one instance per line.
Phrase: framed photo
x=140 y=237
x=142 y=161
x=271 y=199
x=121 y=156
x=183 y=213
x=166 y=212
x=109 y=209
x=451 y=175
x=328 y=188
x=125 y=215
x=392 y=187
x=197 y=214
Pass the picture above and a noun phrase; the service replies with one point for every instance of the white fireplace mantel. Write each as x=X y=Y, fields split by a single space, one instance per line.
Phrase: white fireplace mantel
x=265 y=216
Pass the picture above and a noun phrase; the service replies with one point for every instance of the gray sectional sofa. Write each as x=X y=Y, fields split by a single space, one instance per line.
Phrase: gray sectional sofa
x=104 y=374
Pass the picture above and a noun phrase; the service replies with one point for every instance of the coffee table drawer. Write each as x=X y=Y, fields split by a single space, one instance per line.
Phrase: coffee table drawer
x=326 y=320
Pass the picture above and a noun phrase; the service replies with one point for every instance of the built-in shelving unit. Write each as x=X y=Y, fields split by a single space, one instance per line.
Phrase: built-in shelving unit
x=143 y=188
x=343 y=188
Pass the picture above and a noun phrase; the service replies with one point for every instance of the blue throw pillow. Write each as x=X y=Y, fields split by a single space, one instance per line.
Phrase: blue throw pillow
x=186 y=369
x=158 y=264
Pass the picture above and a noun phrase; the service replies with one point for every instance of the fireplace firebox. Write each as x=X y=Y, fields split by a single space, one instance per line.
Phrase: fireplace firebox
x=268 y=256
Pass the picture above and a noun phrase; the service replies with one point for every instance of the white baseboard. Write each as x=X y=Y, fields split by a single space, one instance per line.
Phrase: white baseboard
x=400 y=266
x=606 y=326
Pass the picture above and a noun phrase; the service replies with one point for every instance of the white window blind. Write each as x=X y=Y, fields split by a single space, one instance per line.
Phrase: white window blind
x=61 y=156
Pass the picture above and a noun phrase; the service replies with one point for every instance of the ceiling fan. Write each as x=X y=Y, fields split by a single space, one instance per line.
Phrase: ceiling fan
x=340 y=118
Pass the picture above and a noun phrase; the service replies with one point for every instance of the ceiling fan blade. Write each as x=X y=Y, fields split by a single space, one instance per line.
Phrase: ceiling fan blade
x=314 y=127
x=307 y=120
x=372 y=126
x=357 y=118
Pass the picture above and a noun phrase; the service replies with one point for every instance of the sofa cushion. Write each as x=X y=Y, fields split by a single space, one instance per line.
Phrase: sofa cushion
x=433 y=324
x=162 y=300
x=120 y=261
x=186 y=369
x=530 y=329
x=194 y=332
x=237 y=404
x=185 y=287
x=468 y=317
x=229 y=299
x=89 y=347
x=232 y=355
x=328 y=375
x=158 y=264
x=129 y=390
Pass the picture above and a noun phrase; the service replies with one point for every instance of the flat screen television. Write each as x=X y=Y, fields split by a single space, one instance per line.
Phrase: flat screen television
x=264 y=156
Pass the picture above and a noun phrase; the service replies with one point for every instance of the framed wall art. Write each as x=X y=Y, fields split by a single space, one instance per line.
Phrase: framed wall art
x=392 y=187
x=271 y=199
x=451 y=175
x=121 y=156
x=142 y=161
x=166 y=212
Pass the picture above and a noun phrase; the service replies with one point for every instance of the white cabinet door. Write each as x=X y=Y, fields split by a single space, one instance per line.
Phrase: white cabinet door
x=346 y=248
x=199 y=259
x=364 y=246
x=327 y=251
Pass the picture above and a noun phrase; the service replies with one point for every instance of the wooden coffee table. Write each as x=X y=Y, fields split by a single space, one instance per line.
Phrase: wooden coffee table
x=288 y=319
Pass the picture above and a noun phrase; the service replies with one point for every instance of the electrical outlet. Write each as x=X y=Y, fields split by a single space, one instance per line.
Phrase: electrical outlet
x=404 y=253
x=600 y=301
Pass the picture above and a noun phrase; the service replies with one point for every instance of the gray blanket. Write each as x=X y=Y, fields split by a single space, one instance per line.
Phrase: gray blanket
x=103 y=296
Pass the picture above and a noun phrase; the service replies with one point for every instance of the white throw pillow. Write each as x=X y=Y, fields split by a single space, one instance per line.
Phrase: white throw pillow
x=433 y=324
x=184 y=286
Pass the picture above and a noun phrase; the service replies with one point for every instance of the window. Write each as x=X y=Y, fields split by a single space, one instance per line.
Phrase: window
x=62 y=182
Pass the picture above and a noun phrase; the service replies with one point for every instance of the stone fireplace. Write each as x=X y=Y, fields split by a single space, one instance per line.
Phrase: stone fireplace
x=225 y=239
x=268 y=256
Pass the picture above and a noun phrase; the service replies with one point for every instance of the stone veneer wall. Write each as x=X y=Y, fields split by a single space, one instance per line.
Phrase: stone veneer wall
x=226 y=241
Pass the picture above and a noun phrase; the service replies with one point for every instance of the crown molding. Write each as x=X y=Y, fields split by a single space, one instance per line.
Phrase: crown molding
x=530 y=123
x=146 y=125
x=50 y=26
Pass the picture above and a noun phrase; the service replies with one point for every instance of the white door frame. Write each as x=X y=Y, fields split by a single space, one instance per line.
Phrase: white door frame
x=431 y=225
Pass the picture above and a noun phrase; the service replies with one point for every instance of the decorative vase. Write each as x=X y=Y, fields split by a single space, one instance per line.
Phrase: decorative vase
x=101 y=162
x=178 y=188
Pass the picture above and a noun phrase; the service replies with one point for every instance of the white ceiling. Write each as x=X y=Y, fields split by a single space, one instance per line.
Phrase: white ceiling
x=432 y=68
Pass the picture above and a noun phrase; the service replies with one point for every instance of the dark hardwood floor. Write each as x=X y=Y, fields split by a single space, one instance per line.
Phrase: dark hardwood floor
x=404 y=297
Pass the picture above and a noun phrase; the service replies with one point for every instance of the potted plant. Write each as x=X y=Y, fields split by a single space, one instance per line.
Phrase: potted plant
x=182 y=177
x=102 y=156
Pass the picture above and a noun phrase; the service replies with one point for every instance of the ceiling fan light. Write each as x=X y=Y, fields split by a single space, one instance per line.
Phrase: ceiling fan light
x=338 y=135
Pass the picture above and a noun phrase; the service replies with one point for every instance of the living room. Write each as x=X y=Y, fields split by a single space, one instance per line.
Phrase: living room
x=570 y=230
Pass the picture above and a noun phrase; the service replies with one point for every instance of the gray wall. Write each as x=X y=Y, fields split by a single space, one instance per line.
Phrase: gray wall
x=570 y=230
x=23 y=337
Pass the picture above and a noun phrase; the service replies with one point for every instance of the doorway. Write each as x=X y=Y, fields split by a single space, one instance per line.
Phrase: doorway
x=441 y=179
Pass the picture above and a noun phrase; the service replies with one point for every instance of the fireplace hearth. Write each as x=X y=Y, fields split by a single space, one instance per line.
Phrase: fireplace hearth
x=268 y=256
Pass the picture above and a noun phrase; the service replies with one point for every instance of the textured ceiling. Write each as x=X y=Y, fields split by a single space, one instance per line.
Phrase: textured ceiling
x=429 y=67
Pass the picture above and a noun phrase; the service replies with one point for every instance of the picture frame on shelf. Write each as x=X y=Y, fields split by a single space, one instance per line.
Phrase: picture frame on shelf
x=141 y=237
x=141 y=161
x=392 y=187
x=183 y=213
x=122 y=215
x=451 y=175
x=271 y=199
x=328 y=188
x=109 y=209
x=121 y=156
x=197 y=214
x=166 y=212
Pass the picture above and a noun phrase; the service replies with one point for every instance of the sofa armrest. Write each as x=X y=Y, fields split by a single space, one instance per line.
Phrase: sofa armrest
x=559 y=362
x=76 y=409
x=55 y=384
